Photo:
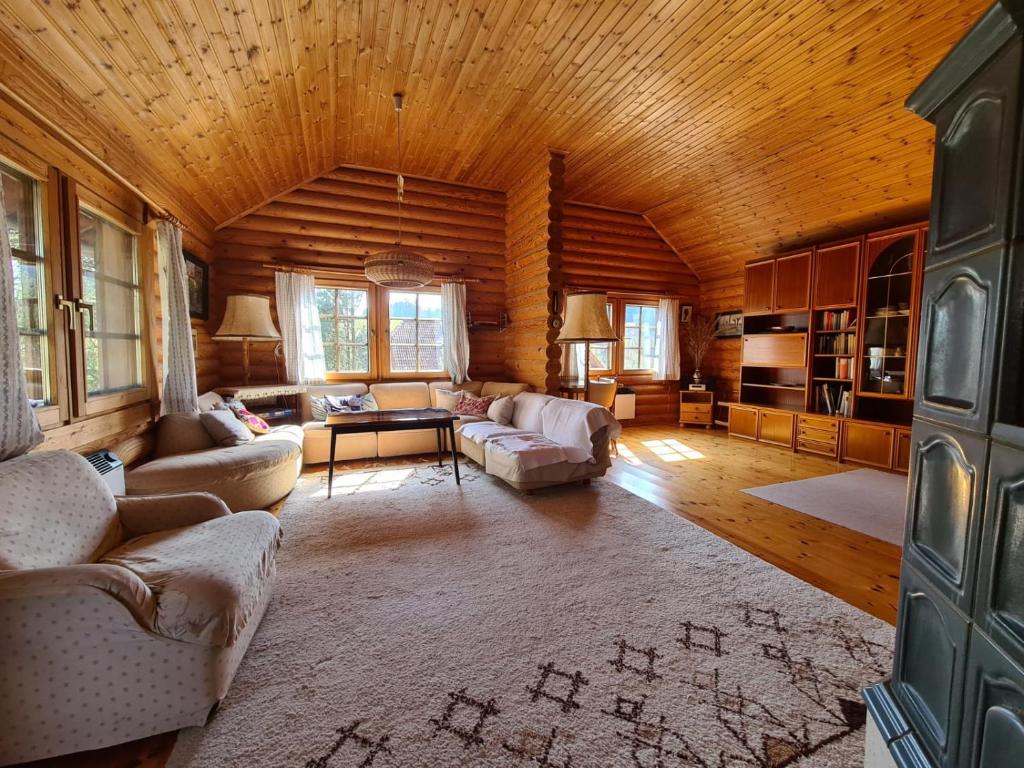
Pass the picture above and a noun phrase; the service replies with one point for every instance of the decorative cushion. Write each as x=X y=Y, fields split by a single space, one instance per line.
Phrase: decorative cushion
x=449 y=399
x=472 y=405
x=209 y=401
x=208 y=578
x=255 y=424
x=225 y=428
x=181 y=433
x=501 y=410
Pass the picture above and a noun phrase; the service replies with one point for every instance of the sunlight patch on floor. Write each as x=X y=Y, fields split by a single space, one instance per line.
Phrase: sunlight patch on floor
x=628 y=456
x=367 y=482
x=671 y=450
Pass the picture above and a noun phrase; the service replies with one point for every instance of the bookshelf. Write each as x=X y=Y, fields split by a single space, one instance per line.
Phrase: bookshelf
x=833 y=362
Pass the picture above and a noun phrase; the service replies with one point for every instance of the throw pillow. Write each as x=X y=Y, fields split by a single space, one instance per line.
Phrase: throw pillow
x=449 y=399
x=470 y=405
x=255 y=424
x=501 y=410
x=225 y=429
x=318 y=408
x=350 y=403
x=181 y=433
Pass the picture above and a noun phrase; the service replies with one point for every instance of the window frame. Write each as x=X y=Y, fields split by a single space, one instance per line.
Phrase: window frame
x=384 y=318
x=371 y=334
x=618 y=302
x=621 y=333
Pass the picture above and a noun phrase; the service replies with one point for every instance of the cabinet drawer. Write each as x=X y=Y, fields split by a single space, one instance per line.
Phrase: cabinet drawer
x=704 y=410
x=818 y=435
x=777 y=350
x=818 y=422
x=803 y=445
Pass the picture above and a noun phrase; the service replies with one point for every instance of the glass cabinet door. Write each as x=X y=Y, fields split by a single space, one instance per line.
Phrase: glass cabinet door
x=888 y=309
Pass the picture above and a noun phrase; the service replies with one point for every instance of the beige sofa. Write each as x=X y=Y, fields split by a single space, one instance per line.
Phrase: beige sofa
x=122 y=617
x=572 y=436
x=316 y=443
x=251 y=476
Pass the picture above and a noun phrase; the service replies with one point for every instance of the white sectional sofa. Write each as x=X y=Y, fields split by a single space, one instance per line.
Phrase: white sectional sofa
x=550 y=441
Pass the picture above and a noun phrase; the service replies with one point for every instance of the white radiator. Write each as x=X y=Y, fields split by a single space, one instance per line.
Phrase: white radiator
x=111 y=469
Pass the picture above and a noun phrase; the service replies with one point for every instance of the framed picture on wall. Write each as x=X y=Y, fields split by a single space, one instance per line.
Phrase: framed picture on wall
x=198 y=275
x=729 y=324
x=685 y=313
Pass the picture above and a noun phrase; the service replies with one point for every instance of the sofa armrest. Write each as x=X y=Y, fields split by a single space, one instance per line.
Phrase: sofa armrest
x=149 y=514
x=96 y=581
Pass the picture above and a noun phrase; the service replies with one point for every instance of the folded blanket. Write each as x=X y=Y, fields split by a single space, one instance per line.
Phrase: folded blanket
x=532 y=450
x=574 y=423
x=481 y=432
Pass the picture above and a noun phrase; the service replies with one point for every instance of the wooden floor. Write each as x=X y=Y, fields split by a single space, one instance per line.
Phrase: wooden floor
x=700 y=476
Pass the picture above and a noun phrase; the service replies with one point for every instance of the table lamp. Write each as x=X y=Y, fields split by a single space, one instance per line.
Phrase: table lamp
x=247 y=318
x=586 y=322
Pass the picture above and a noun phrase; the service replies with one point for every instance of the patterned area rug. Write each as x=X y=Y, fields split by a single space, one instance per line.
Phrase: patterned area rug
x=416 y=623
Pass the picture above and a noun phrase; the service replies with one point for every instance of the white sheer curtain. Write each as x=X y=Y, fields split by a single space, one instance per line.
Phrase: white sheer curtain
x=19 y=429
x=573 y=362
x=180 y=393
x=300 y=328
x=455 y=331
x=667 y=367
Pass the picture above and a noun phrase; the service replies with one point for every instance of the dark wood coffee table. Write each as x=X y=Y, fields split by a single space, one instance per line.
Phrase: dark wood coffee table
x=396 y=420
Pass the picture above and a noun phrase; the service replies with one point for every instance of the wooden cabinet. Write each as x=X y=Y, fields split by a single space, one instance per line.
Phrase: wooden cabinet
x=743 y=422
x=696 y=407
x=867 y=443
x=777 y=428
x=777 y=286
x=817 y=434
x=901 y=451
x=758 y=288
x=792 y=281
x=775 y=350
x=836 y=272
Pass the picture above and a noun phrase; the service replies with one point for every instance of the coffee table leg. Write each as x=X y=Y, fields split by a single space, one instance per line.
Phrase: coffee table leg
x=455 y=456
x=330 y=467
x=439 y=434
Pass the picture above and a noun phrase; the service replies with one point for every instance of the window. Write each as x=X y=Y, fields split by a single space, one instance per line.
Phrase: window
x=110 y=291
x=24 y=228
x=639 y=337
x=414 y=332
x=345 y=326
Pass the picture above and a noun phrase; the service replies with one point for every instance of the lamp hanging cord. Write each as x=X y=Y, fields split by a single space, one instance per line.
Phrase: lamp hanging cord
x=401 y=180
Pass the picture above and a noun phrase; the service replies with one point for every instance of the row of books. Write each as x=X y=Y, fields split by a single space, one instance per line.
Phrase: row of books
x=837 y=320
x=843 y=367
x=837 y=344
x=833 y=399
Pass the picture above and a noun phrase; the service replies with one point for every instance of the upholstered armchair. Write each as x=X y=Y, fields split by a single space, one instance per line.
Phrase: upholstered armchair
x=119 y=617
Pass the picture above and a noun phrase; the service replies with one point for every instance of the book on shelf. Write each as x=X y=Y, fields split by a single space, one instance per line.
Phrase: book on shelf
x=833 y=320
x=837 y=344
x=834 y=399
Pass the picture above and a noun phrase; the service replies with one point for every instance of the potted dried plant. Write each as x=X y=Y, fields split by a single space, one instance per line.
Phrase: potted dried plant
x=700 y=332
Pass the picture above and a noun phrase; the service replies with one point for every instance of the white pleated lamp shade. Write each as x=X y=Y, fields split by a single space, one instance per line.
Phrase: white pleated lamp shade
x=586 y=319
x=247 y=316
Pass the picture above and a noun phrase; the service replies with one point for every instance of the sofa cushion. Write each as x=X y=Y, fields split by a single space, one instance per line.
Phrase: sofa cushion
x=181 y=433
x=512 y=388
x=225 y=428
x=447 y=398
x=251 y=476
x=467 y=386
x=528 y=407
x=319 y=390
x=316 y=445
x=208 y=579
x=404 y=394
x=501 y=410
x=54 y=510
x=211 y=401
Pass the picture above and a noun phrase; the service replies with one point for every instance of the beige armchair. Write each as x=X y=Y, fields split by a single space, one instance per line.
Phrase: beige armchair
x=119 y=617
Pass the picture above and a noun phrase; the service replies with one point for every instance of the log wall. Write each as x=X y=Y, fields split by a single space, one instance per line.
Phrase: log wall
x=723 y=360
x=620 y=251
x=534 y=273
x=340 y=218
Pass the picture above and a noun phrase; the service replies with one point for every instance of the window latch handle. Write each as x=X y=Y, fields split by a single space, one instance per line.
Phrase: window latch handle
x=84 y=306
x=62 y=304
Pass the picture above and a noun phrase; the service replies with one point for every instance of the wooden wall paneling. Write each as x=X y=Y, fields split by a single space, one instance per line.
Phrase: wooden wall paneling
x=229 y=106
x=616 y=250
x=723 y=359
x=339 y=218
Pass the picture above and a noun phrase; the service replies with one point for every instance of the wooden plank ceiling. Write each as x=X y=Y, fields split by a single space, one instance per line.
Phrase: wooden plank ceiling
x=736 y=126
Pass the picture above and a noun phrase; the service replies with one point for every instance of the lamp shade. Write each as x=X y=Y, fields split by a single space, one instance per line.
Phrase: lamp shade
x=247 y=316
x=586 y=319
x=398 y=268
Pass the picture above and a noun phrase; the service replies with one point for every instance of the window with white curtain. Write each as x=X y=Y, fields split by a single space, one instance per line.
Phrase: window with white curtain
x=639 y=337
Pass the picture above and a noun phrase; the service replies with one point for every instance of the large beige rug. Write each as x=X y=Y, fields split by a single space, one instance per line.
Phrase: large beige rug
x=416 y=623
